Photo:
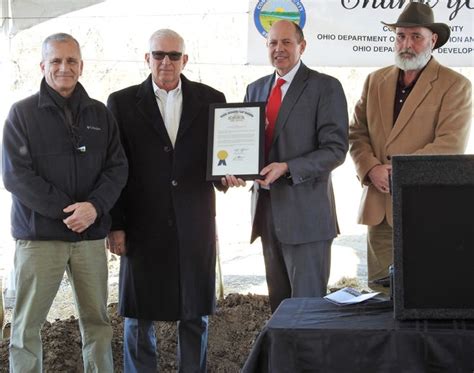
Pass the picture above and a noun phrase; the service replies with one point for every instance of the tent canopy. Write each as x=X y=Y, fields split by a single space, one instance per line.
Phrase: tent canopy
x=17 y=15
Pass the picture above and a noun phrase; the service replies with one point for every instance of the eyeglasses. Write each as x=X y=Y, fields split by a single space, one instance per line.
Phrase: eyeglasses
x=160 y=55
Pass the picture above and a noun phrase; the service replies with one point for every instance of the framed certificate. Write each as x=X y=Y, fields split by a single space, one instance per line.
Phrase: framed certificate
x=236 y=140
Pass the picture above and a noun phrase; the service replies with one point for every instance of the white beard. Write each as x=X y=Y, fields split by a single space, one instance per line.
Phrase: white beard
x=415 y=63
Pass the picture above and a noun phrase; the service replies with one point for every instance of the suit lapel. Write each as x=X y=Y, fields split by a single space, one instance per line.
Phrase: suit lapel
x=266 y=88
x=386 y=99
x=421 y=89
x=147 y=106
x=297 y=86
x=191 y=107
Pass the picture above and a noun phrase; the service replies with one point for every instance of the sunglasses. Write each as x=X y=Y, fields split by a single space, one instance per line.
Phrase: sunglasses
x=160 y=55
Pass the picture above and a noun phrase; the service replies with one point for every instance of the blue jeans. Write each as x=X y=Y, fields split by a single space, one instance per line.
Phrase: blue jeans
x=139 y=349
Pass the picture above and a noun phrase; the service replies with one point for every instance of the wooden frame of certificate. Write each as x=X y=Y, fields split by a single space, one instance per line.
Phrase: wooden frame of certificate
x=236 y=140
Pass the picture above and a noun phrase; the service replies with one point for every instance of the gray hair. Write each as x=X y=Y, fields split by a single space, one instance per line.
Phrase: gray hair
x=59 y=37
x=167 y=33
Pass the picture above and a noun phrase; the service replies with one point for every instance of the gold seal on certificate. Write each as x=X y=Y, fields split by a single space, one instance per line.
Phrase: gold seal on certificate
x=236 y=139
x=222 y=155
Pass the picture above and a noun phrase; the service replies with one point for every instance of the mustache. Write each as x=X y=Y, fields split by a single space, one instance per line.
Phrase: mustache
x=407 y=51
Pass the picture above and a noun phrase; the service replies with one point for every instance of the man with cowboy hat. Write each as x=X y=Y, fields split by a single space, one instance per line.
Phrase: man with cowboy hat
x=416 y=106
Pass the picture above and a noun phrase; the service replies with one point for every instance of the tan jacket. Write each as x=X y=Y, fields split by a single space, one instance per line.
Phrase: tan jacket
x=435 y=119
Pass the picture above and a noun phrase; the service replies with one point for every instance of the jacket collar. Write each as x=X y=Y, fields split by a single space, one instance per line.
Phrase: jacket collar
x=45 y=99
x=146 y=102
x=296 y=88
x=422 y=88
x=192 y=105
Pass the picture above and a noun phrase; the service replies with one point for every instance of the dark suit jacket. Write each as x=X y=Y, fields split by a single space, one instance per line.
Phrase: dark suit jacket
x=311 y=136
x=167 y=208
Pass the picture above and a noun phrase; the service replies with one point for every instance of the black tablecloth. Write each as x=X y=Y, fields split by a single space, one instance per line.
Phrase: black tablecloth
x=314 y=335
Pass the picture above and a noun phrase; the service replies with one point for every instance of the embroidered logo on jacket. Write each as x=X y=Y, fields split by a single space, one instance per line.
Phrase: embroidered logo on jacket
x=94 y=128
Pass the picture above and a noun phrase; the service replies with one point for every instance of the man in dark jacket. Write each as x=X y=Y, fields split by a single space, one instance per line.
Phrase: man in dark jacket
x=164 y=221
x=65 y=167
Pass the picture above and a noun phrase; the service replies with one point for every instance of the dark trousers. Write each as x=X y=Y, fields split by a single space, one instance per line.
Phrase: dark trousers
x=291 y=270
x=379 y=254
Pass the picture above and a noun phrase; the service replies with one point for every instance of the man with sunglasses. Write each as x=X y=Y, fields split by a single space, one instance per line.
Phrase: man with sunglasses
x=164 y=222
x=65 y=167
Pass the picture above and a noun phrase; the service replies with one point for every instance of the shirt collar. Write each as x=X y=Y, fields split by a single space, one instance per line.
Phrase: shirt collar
x=157 y=90
x=289 y=76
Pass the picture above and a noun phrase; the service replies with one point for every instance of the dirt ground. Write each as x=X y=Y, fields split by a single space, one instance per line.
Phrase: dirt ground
x=232 y=331
x=238 y=320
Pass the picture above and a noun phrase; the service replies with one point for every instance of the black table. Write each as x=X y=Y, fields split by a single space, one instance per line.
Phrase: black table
x=313 y=335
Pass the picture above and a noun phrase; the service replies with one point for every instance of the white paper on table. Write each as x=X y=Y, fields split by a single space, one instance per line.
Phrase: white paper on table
x=349 y=296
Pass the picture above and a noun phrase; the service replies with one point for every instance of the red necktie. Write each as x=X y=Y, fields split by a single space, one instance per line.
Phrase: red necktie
x=273 y=105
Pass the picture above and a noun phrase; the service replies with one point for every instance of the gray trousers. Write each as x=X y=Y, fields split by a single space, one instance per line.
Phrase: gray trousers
x=291 y=270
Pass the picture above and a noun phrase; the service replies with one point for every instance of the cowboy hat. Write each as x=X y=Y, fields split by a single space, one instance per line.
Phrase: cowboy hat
x=421 y=15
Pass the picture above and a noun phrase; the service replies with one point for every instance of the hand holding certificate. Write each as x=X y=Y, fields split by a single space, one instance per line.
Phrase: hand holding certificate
x=236 y=140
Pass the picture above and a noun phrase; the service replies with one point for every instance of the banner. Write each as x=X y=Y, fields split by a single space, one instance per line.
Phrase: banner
x=350 y=32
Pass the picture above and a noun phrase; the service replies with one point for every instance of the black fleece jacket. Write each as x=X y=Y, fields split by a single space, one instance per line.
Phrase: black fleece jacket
x=47 y=168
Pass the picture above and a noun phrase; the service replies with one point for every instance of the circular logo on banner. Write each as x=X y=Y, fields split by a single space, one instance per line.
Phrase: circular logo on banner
x=267 y=12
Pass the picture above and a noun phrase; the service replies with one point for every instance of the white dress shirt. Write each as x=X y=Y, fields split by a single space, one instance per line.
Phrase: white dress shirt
x=171 y=106
x=289 y=76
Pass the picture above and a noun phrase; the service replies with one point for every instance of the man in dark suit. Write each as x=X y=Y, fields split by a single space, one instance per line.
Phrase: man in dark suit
x=293 y=209
x=164 y=222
